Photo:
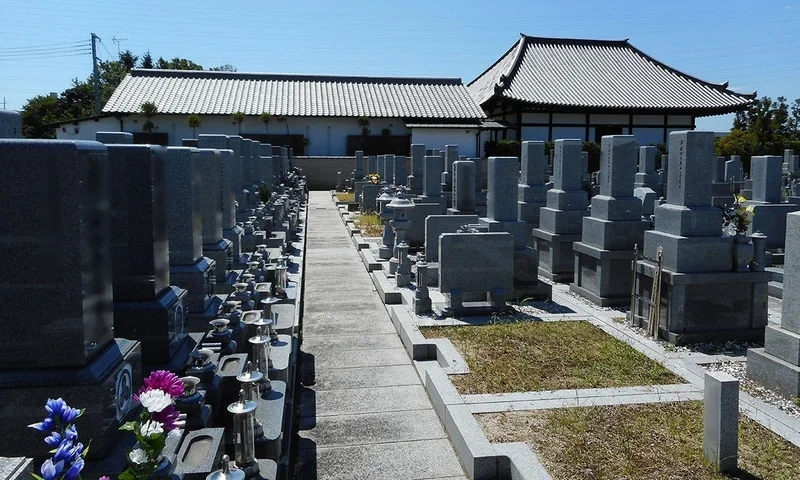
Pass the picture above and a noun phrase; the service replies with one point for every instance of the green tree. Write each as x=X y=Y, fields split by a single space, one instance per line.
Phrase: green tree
x=194 y=121
x=147 y=60
x=223 y=68
x=39 y=110
x=265 y=119
x=363 y=122
x=284 y=120
x=149 y=110
x=177 y=64
x=128 y=59
x=238 y=117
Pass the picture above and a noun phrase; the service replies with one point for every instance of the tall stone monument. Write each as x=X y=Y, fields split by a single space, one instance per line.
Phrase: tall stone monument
x=231 y=163
x=532 y=192
x=58 y=312
x=414 y=180
x=463 y=188
x=501 y=216
x=188 y=268
x=146 y=307
x=702 y=298
x=604 y=254
x=769 y=212
x=215 y=246
x=561 y=221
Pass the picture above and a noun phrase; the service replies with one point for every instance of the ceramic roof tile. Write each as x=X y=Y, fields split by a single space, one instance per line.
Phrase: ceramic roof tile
x=224 y=93
x=597 y=74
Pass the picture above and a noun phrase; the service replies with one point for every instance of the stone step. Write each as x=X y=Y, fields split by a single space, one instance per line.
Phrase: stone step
x=776 y=289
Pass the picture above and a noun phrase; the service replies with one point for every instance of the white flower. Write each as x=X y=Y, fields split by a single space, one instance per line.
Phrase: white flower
x=138 y=456
x=150 y=427
x=155 y=400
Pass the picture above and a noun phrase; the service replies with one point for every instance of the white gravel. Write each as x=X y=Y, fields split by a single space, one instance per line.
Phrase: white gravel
x=739 y=370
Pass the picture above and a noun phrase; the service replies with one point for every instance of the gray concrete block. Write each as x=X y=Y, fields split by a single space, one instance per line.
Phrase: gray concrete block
x=721 y=421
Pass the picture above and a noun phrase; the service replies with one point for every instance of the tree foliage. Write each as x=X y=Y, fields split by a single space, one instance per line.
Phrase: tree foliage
x=223 y=68
x=77 y=101
x=766 y=128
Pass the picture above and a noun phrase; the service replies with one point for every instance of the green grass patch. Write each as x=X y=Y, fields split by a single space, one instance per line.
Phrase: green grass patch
x=369 y=224
x=663 y=441
x=346 y=197
x=529 y=356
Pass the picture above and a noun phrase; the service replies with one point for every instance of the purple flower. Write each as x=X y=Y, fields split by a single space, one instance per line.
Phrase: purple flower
x=46 y=425
x=69 y=414
x=54 y=439
x=163 y=380
x=75 y=470
x=54 y=407
x=168 y=417
x=50 y=471
x=63 y=452
x=104 y=478
x=71 y=433
x=75 y=452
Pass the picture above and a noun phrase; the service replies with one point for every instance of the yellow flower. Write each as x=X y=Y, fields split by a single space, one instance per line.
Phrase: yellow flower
x=740 y=199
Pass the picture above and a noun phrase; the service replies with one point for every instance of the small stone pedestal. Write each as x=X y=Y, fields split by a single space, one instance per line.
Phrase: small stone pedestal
x=561 y=222
x=721 y=421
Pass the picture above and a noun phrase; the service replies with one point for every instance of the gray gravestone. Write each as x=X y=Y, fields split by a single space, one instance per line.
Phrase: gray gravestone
x=431 y=181
x=372 y=164
x=10 y=124
x=733 y=169
x=266 y=169
x=766 y=174
x=112 y=138
x=777 y=365
x=501 y=189
x=697 y=260
x=435 y=225
x=414 y=181
x=389 y=168
x=463 y=188
x=561 y=221
x=532 y=193
x=647 y=175
x=184 y=202
x=64 y=190
x=494 y=252
x=399 y=174
x=146 y=307
x=604 y=254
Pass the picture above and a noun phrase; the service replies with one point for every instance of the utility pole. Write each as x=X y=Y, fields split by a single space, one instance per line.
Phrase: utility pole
x=96 y=75
x=118 y=41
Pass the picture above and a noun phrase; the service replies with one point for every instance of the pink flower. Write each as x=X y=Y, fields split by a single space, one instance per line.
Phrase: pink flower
x=163 y=380
x=168 y=417
x=105 y=478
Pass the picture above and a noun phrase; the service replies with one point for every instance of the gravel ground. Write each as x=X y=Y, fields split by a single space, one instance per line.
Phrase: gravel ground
x=739 y=370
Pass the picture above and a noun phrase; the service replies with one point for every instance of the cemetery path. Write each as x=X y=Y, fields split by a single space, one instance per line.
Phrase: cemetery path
x=364 y=412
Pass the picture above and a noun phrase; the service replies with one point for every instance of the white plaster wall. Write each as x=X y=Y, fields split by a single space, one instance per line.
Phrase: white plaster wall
x=87 y=130
x=439 y=137
x=328 y=135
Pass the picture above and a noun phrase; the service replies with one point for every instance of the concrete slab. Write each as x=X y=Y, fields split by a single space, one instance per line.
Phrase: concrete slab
x=363 y=429
x=351 y=342
x=424 y=459
x=360 y=358
x=363 y=400
x=361 y=377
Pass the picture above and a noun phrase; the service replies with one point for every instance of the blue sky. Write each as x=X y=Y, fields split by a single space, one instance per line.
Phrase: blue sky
x=752 y=45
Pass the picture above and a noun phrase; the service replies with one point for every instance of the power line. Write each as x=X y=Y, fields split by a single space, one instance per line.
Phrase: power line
x=51 y=46
x=88 y=52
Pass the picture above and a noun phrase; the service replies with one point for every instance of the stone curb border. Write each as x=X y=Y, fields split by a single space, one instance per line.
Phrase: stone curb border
x=481 y=459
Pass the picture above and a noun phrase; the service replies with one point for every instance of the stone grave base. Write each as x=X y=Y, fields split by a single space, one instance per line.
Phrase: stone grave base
x=602 y=276
x=222 y=255
x=556 y=259
x=705 y=307
x=773 y=366
x=110 y=379
x=159 y=324
x=468 y=304
x=234 y=234
x=250 y=241
x=198 y=279
x=770 y=219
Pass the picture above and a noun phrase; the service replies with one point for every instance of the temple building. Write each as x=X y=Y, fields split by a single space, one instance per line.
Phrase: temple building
x=550 y=88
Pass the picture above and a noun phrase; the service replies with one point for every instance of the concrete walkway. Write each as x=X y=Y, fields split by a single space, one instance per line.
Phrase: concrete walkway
x=364 y=413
